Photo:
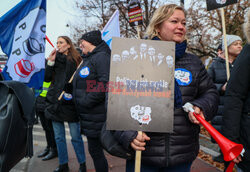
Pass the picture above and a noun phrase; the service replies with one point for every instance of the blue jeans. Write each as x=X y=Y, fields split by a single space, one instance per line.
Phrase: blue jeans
x=130 y=166
x=76 y=140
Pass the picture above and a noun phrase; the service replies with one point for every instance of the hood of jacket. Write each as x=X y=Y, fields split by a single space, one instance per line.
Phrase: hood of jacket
x=247 y=27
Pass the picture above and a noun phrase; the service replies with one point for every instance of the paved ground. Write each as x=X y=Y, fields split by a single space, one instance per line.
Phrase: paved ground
x=115 y=164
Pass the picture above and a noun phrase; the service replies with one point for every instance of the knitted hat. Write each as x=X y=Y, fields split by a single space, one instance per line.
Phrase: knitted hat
x=230 y=40
x=93 y=37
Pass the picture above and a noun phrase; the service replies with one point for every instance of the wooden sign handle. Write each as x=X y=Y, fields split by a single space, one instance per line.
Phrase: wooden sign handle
x=138 y=158
x=138 y=153
x=71 y=79
x=138 y=28
x=225 y=41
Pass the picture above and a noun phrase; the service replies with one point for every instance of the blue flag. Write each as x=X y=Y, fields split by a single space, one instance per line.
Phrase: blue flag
x=22 y=39
x=111 y=29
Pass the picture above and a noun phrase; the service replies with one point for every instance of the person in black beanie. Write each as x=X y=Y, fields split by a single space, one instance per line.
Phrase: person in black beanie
x=89 y=99
x=93 y=37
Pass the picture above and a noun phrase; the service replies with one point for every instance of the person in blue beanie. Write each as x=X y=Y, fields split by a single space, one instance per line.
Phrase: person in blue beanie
x=175 y=151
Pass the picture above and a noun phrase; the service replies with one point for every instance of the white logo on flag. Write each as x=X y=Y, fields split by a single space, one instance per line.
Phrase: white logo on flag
x=221 y=1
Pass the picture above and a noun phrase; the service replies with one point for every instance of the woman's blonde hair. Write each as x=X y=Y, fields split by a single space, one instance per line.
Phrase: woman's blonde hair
x=160 y=15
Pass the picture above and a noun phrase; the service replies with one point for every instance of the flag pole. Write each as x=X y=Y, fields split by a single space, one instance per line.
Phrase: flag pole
x=182 y=3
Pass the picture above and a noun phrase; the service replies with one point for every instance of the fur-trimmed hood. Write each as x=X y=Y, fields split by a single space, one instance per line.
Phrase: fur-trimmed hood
x=247 y=27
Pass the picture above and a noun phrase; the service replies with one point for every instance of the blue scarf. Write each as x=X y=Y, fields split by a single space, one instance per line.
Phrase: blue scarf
x=179 y=53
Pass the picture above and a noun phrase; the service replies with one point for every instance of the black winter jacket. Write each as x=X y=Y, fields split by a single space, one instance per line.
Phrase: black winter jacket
x=59 y=75
x=181 y=146
x=89 y=90
x=236 y=117
x=218 y=73
x=40 y=104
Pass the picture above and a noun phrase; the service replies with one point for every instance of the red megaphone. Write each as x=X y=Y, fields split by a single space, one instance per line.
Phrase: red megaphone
x=229 y=149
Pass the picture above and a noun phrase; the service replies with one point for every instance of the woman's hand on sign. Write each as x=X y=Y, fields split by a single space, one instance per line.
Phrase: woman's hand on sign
x=192 y=118
x=139 y=142
x=52 y=55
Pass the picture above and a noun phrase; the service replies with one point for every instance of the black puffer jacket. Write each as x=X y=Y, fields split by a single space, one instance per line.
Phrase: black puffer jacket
x=93 y=74
x=40 y=104
x=59 y=75
x=218 y=73
x=182 y=145
x=236 y=117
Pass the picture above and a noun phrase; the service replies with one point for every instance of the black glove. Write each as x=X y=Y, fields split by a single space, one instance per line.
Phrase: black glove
x=68 y=88
x=67 y=98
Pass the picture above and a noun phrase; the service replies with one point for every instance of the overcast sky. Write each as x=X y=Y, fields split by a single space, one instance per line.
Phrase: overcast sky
x=59 y=12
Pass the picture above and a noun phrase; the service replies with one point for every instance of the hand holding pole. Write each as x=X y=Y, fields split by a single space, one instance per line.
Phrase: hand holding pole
x=138 y=157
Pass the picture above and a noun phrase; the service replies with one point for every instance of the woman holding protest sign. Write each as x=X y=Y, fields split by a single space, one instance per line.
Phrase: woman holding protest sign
x=175 y=151
x=60 y=67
